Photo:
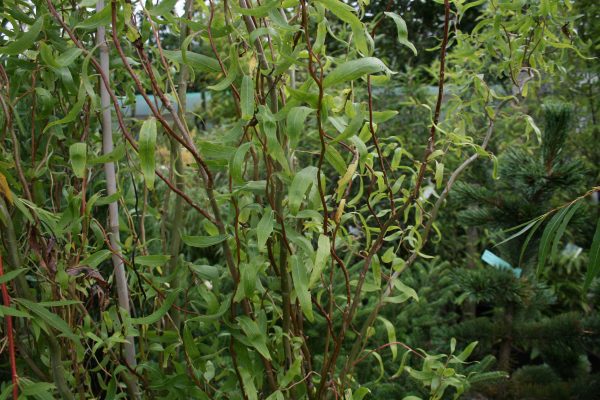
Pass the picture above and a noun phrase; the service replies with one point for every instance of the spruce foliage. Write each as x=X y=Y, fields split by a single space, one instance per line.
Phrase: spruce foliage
x=524 y=320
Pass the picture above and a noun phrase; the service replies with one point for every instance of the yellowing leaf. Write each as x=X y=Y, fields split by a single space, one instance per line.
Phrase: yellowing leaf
x=5 y=189
x=347 y=177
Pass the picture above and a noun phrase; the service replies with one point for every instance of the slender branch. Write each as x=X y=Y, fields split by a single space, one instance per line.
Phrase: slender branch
x=399 y=212
x=117 y=108
x=176 y=161
x=425 y=235
x=55 y=353
x=15 y=142
x=407 y=347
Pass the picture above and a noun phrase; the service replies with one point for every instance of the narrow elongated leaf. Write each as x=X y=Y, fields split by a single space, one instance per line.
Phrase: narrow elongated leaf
x=354 y=69
x=300 y=184
x=353 y=127
x=236 y=168
x=381 y=367
x=528 y=239
x=391 y=333
x=216 y=151
x=147 y=150
x=104 y=200
x=347 y=14
x=336 y=160
x=52 y=320
x=158 y=314
x=467 y=352
x=405 y=293
x=264 y=228
x=402 y=31
x=117 y=154
x=274 y=148
x=77 y=157
x=531 y=125
x=527 y=227
x=225 y=83
x=68 y=57
x=162 y=7
x=380 y=117
x=594 y=266
x=547 y=236
x=321 y=257
x=360 y=393
x=155 y=260
x=10 y=275
x=295 y=123
x=402 y=364
x=439 y=174
x=487 y=376
x=74 y=112
x=188 y=342
x=209 y=272
x=198 y=62
x=276 y=395
x=277 y=19
x=93 y=260
x=248 y=379
x=376 y=268
x=5 y=188
x=38 y=390
x=347 y=177
x=300 y=278
x=223 y=307
x=13 y=312
x=257 y=338
x=98 y=19
x=25 y=41
x=47 y=55
x=247 y=98
x=58 y=303
x=562 y=228
x=294 y=371
x=203 y=241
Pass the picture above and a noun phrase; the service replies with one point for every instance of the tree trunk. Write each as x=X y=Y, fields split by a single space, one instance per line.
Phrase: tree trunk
x=506 y=344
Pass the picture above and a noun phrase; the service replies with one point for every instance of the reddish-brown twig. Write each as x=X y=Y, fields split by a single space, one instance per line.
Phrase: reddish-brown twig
x=11 y=340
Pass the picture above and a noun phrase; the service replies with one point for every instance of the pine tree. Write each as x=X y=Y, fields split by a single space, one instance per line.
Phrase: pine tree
x=519 y=317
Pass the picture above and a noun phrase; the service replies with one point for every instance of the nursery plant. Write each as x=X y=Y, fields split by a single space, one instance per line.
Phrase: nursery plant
x=246 y=248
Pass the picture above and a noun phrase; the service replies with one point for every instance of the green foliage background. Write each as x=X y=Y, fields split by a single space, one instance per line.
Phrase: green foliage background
x=313 y=226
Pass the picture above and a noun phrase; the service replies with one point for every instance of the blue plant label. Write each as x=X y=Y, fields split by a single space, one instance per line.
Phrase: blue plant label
x=490 y=258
